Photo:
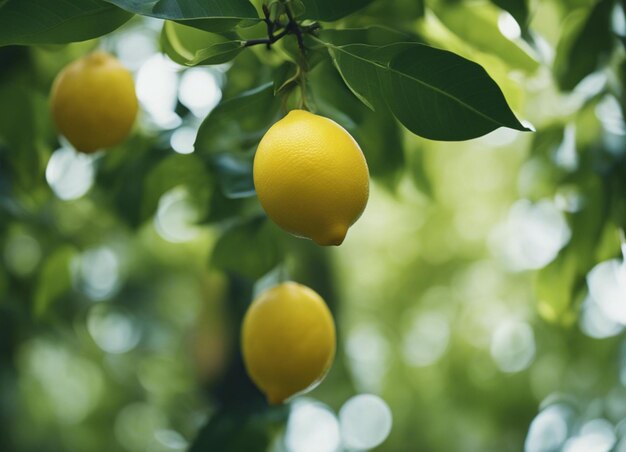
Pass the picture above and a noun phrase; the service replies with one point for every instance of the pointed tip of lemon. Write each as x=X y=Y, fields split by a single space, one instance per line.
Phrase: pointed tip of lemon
x=334 y=236
x=275 y=398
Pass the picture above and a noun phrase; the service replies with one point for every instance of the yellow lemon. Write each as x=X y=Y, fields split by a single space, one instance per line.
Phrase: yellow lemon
x=311 y=177
x=288 y=340
x=93 y=102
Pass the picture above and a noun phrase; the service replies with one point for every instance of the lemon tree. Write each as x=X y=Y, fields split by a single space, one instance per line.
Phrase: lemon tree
x=184 y=215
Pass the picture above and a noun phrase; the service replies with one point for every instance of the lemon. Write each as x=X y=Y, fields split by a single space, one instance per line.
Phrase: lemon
x=93 y=102
x=311 y=177
x=288 y=340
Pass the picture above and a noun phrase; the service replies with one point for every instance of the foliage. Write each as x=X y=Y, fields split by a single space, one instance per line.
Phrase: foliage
x=173 y=244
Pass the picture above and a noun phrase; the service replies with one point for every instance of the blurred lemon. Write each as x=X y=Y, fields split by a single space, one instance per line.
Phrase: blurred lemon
x=288 y=340
x=93 y=102
x=311 y=177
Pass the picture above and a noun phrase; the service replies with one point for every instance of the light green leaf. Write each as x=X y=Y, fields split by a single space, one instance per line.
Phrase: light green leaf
x=554 y=288
x=57 y=22
x=190 y=46
x=54 y=279
x=477 y=25
x=250 y=248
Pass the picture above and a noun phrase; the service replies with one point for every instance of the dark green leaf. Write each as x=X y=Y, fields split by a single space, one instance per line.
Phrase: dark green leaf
x=375 y=35
x=54 y=279
x=218 y=53
x=359 y=68
x=331 y=9
x=57 y=22
x=210 y=15
x=190 y=46
x=377 y=132
x=238 y=124
x=25 y=130
x=285 y=77
x=586 y=41
x=250 y=248
x=434 y=93
x=234 y=173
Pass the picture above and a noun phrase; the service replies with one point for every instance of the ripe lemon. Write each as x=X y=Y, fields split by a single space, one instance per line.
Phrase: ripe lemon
x=93 y=102
x=311 y=177
x=288 y=340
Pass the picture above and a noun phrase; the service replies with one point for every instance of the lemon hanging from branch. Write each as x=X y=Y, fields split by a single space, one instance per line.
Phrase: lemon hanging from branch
x=93 y=102
x=311 y=177
x=288 y=340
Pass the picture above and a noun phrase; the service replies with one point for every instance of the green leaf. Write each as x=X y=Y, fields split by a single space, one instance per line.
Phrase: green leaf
x=331 y=9
x=25 y=129
x=373 y=35
x=477 y=25
x=433 y=93
x=234 y=173
x=57 y=22
x=173 y=171
x=250 y=248
x=54 y=279
x=559 y=284
x=190 y=47
x=378 y=133
x=586 y=42
x=419 y=175
x=286 y=77
x=210 y=15
x=554 y=289
x=238 y=124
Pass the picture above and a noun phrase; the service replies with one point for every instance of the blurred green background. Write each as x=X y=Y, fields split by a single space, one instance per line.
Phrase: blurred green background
x=481 y=295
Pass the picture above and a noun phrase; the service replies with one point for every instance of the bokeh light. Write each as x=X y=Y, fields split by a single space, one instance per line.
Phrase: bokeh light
x=70 y=174
x=427 y=339
x=513 y=346
x=607 y=287
x=112 y=329
x=548 y=430
x=597 y=435
x=595 y=323
x=312 y=427
x=97 y=272
x=508 y=26
x=532 y=235
x=365 y=422
x=157 y=90
x=176 y=216
x=199 y=91
x=182 y=139
x=368 y=351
